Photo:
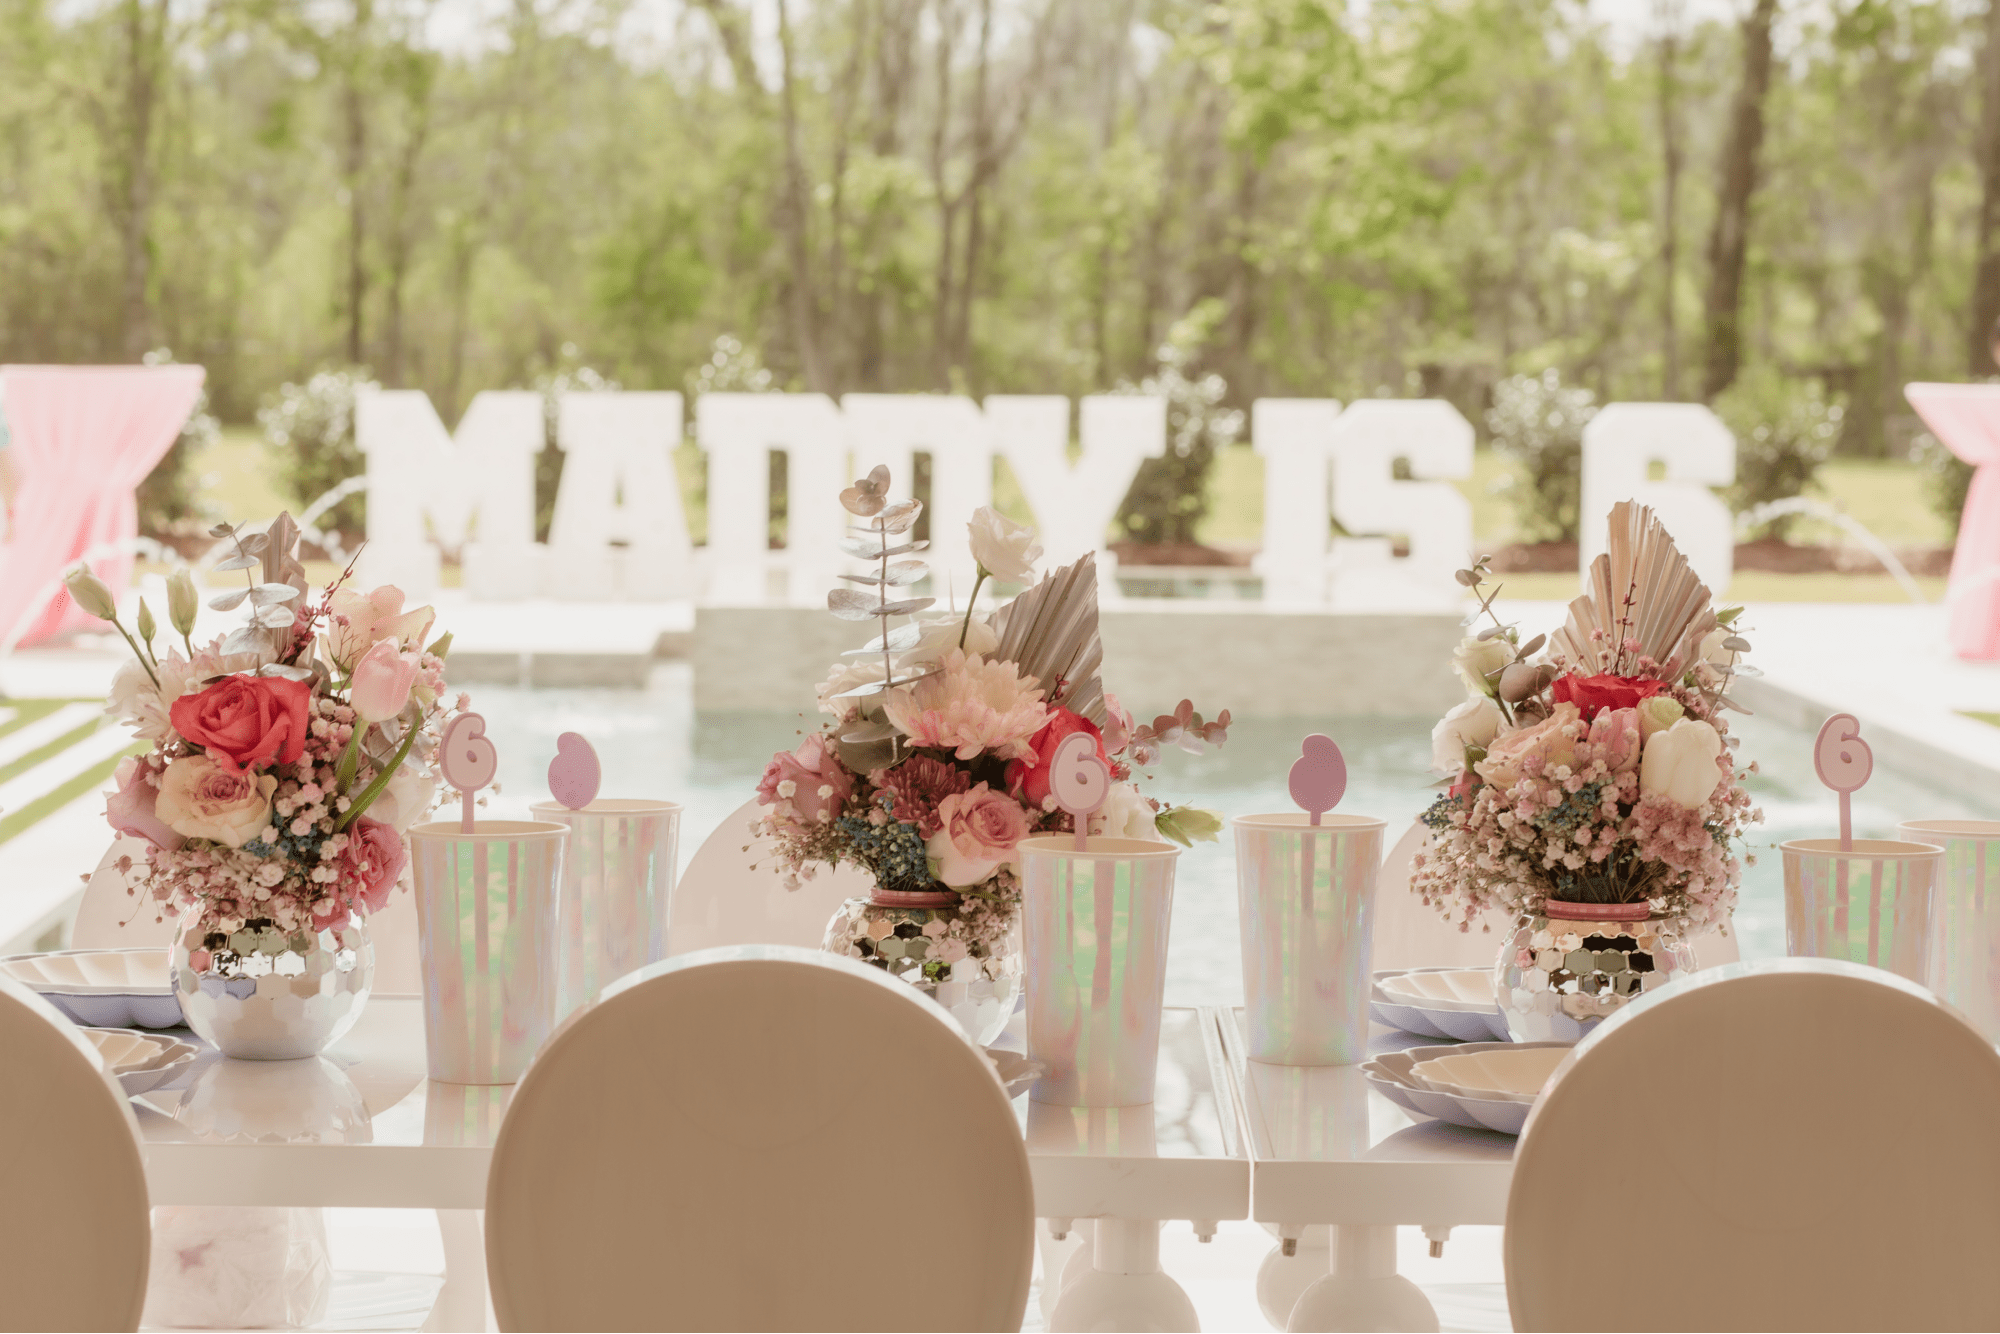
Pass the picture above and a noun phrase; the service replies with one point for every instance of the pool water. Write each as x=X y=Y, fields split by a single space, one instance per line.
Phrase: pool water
x=653 y=744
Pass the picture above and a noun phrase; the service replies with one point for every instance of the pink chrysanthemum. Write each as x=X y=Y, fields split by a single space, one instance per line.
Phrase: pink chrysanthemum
x=972 y=708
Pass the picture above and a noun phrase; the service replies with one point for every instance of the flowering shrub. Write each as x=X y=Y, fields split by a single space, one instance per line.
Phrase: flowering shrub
x=288 y=757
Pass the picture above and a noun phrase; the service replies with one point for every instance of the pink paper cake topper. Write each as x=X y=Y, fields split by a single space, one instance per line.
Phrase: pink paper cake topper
x=467 y=760
x=574 y=774
x=1844 y=763
x=1319 y=776
x=1079 y=780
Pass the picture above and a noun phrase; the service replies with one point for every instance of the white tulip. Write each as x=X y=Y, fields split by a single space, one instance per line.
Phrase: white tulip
x=409 y=794
x=1474 y=658
x=1003 y=548
x=1680 y=762
x=1473 y=723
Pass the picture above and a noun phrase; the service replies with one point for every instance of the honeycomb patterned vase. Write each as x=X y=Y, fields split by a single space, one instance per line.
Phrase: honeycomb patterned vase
x=1566 y=966
x=919 y=938
x=266 y=994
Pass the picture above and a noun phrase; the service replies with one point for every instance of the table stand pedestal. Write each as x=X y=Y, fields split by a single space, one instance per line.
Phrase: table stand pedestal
x=1363 y=1289
x=1124 y=1288
x=1281 y=1278
x=462 y=1304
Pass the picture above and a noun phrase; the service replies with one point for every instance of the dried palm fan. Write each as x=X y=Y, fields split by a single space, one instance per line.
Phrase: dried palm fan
x=1641 y=588
x=1050 y=633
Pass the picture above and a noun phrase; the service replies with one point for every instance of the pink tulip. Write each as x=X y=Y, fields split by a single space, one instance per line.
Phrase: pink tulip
x=382 y=682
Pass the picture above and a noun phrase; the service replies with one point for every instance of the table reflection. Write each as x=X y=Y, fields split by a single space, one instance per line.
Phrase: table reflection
x=306 y=1101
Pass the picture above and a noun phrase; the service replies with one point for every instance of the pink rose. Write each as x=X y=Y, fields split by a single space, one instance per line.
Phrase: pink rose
x=977 y=831
x=201 y=798
x=1615 y=734
x=131 y=809
x=808 y=786
x=1551 y=741
x=373 y=861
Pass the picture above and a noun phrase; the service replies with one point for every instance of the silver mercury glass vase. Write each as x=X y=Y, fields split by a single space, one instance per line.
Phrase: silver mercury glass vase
x=265 y=994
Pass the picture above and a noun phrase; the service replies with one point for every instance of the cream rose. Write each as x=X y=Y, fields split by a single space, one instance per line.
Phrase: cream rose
x=1473 y=723
x=1552 y=741
x=1680 y=763
x=1125 y=814
x=408 y=795
x=1475 y=658
x=941 y=637
x=1003 y=548
x=200 y=799
x=1658 y=714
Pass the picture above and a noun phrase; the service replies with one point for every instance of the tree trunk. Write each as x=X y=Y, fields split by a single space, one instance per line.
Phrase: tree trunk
x=1670 y=234
x=795 y=220
x=132 y=193
x=1984 y=314
x=354 y=157
x=1729 y=243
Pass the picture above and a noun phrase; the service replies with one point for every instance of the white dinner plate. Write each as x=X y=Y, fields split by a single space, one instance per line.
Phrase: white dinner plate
x=1513 y=1073
x=1428 y=1019
x=139 y=1061
x=128 y=988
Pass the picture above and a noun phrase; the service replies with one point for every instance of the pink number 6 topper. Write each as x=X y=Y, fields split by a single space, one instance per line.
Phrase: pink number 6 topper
x=574 y=774
x=1844 y=763
x=1079 y=780
x=467 y=760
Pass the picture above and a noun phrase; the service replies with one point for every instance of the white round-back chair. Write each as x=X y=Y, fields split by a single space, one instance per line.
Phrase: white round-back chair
x=75 y=1237
x=732 y=896
x=759 y=1138
x=1788 y=1144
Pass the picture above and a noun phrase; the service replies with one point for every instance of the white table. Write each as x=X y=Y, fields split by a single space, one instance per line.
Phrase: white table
x=362 y=1126
x=358 y=1127
x=1327 y=1149
x=1128 y=1169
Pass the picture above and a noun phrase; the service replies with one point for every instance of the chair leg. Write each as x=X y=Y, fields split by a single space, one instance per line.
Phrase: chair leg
x=462 y=1306
x=1124 y=1289
x=1363 y=1289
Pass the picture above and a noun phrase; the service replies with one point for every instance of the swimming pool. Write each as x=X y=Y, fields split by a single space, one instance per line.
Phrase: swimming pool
x=653 y=744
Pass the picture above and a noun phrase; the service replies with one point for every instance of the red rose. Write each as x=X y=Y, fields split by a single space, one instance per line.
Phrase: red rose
x=246 y=722
x=1030 y=777
x=1594 y=694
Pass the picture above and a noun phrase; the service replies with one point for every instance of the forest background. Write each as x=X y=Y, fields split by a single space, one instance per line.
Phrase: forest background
x=1785 y=209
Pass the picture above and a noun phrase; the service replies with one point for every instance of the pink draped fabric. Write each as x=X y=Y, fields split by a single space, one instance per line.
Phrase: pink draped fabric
x=1966 y=417
x=84 y=437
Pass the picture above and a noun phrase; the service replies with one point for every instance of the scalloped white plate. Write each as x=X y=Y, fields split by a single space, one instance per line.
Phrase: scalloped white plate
x=1390 y=1074
x=129 y=988
x=1442 y=989
x=141 y=1062
x=1511 y=1073
x=1459 y=1025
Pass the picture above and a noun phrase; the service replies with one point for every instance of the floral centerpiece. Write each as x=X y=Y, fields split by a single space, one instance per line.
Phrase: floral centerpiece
x=935 y=763
x=287 y=759
x=1592 y=790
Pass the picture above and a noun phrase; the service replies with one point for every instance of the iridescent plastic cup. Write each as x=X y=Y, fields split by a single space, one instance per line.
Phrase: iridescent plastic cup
x=1306 y=896
x=1965 y=917
x=1871 y=904
x=486 y=926
x=1094 y=927
x=617 y=892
